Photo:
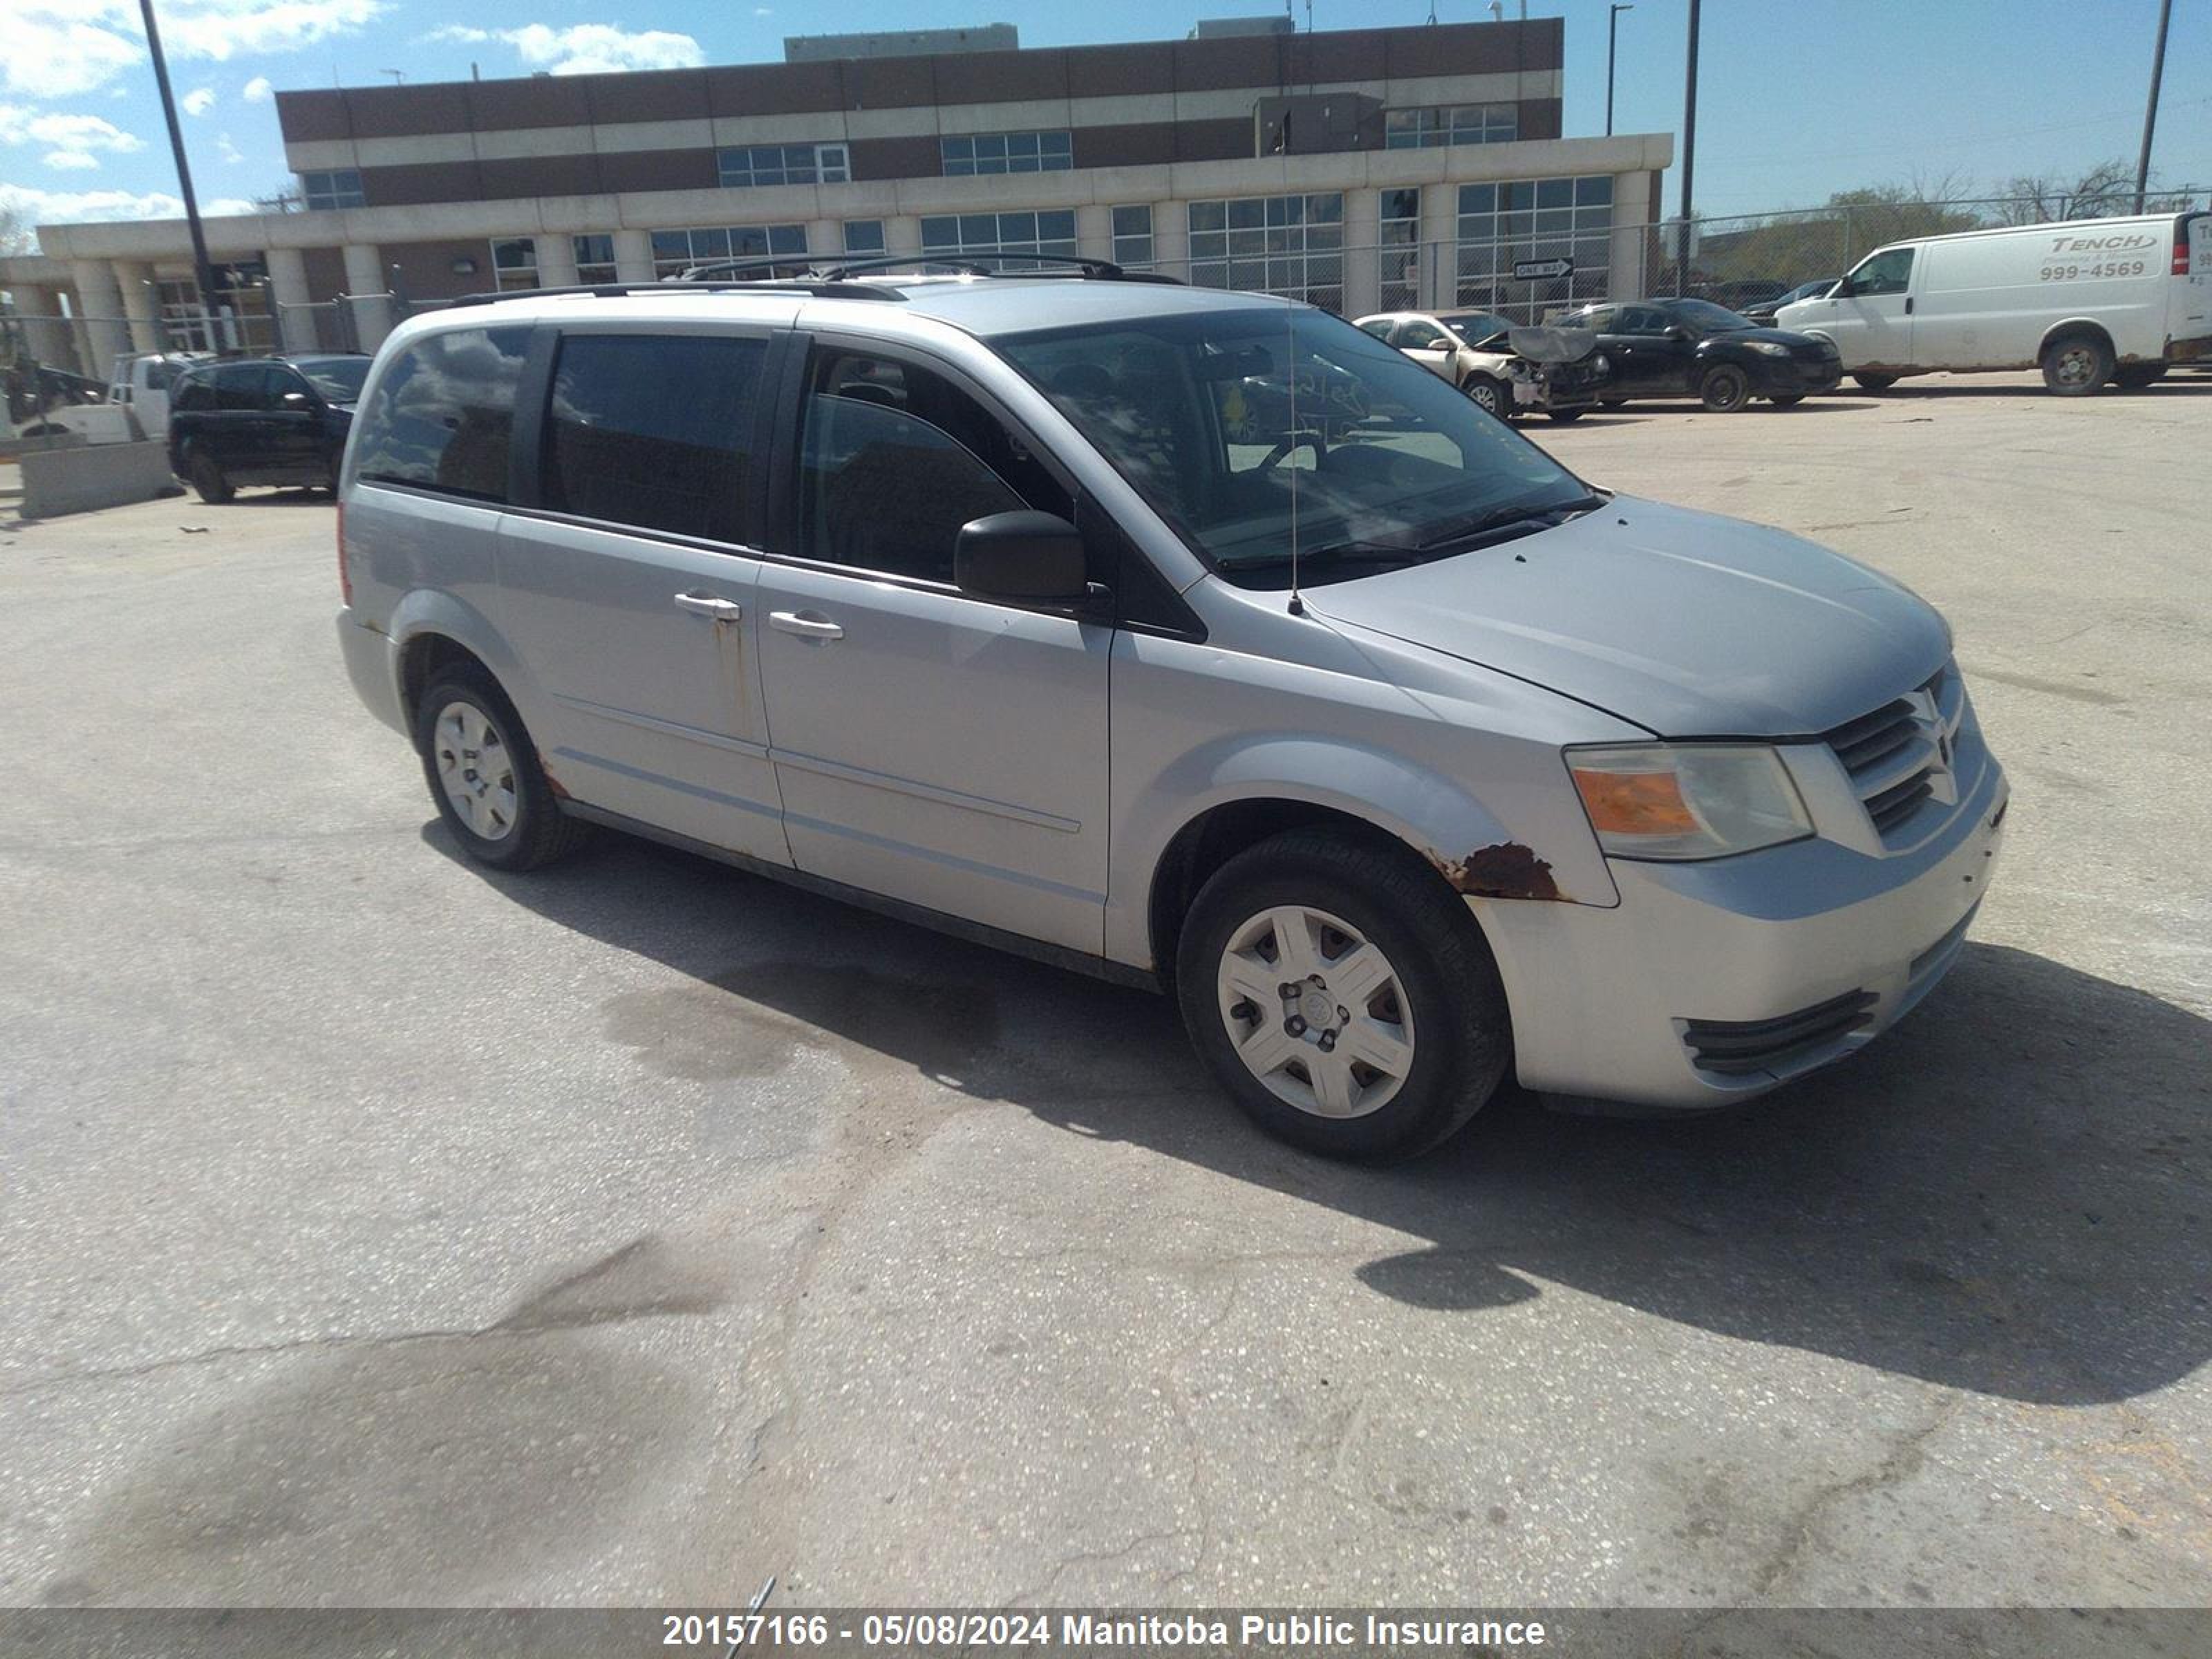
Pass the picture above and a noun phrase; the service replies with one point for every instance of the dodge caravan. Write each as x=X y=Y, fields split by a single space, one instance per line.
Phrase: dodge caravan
x=1404 y=757
x=2087 y=301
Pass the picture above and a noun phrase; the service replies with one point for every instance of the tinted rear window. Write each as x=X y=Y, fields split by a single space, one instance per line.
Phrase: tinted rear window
x=442 y=414
x=654 y=431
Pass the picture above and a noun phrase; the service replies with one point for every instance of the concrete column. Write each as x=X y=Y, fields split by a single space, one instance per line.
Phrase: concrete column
x=825 y=239
x=298 y=329
x=365 y=279
x=556 y=260
x=43 y=331
x=633 y=257
x=99 y=302
x=1171 y=238
x=1439 y=248
x=1632 y=197
x=902 y=235
x=1362 y=252
x=1094 y=231
x=135 y=283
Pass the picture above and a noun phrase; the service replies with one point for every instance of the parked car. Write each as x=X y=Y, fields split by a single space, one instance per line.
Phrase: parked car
x=2087 y=301
x=1763 y=313
x=1695 y=349
x=1473 y=350
x=1400 y=760
x=263 y=421
x=133 y=407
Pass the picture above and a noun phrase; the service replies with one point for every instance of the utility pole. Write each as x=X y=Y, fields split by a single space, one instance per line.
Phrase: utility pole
x=2150 y=112
x=203 y=270
x=1612 y=40
x=1689 y=158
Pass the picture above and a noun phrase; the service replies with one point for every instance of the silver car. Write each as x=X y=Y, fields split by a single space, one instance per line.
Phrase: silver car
x=1400 y=755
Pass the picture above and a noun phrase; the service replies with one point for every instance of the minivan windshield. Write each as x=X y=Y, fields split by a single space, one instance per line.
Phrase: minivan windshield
x=1234 y=424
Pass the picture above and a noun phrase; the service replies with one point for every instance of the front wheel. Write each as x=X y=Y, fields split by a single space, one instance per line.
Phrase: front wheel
x=1725 y=389
x=484 y=775
x=1875 y=382
x=2075 y=365
x=1343 y=996
x=1489 y=395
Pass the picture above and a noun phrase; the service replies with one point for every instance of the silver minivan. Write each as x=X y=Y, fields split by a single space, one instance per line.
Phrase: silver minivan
x=1188 y=638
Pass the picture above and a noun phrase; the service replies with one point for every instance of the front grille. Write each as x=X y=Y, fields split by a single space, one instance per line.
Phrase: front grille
x=1739 y=1048
x=1897 y=755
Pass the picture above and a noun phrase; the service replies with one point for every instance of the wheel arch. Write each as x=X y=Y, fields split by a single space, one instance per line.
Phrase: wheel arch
x=432 y=630
x=2088 y=325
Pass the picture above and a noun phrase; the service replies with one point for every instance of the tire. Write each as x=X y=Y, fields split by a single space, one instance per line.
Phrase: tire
x=1488 y=395
x=207 y=478
x=1788 y=400
x=516 y=824
x=1343 y=893
x=2076 y=365
x=2134 y=377
x=1875 y=382
x=1725 y=389
x=1563 y=415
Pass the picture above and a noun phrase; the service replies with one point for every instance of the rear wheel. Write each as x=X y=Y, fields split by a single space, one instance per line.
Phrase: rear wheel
x=1875 y=382
x=1489 y=395
x=208 y=479
x=2075 y=365
x=1725 y=389
x=2134 y=377
x=484 y=775
x=1343 y=996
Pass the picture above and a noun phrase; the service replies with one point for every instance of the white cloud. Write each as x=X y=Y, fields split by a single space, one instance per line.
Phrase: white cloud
x=198 y=102
x=73 y=137
x=256 y=90
x=46 y=207
x=584 y=48
x=63 y=48
x=227 y=151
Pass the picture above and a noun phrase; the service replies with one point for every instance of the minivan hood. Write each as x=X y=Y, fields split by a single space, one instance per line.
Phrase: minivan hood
x=1686 y=623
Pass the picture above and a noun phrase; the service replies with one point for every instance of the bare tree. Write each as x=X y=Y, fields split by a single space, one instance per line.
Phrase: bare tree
x=15 y=235
x=2105 y=190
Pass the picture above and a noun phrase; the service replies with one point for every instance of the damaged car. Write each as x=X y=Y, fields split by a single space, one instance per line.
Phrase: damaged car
x=1506 y=370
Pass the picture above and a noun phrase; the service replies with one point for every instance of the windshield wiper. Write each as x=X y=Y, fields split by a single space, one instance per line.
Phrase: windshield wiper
x=1517 y=519
x=1336 y=553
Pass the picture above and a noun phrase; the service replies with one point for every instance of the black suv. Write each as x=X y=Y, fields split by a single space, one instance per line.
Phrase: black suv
x=1695 y=349
x=263 y=421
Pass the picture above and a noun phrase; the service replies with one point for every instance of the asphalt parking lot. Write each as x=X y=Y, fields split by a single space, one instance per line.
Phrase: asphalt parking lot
x=380 y=1231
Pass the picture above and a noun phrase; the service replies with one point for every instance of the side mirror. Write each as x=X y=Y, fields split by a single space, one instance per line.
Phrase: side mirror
x=1021 y=558
x=1843 y=291
x=1676 y=331
x=296 y=400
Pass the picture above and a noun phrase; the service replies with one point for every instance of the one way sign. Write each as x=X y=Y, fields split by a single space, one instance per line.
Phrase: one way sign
x=1536 y=270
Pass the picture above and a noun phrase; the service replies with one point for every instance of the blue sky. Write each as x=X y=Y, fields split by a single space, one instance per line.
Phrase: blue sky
x=1798 y=99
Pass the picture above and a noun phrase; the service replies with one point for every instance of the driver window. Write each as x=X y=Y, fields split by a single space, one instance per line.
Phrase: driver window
x=1643 y=319
x=1884 y=273
x=894 y=459
x=1420 y=337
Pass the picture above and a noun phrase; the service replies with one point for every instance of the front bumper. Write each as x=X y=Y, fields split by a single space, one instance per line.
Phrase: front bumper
x=1793 y=377
x=1812 y=949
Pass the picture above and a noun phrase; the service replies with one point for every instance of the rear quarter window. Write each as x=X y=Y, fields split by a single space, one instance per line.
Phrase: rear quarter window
x=443 y=412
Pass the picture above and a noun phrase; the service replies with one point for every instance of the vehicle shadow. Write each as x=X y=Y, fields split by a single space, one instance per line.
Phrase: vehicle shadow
x=1916 y=390
x=2006 y=1194
x=282 y=495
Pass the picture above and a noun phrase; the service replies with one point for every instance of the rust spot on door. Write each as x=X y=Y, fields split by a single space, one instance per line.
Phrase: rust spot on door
x=1508 y=871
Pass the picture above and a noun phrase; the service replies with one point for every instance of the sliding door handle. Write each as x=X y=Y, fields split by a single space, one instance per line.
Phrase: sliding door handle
x=706 y=604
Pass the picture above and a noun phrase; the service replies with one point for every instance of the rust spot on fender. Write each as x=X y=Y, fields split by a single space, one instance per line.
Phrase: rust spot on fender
x=551 y=782
x=1507 y=871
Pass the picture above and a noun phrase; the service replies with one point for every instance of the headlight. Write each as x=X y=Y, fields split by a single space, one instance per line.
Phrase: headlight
x=1661 y=800
x=1769 y=348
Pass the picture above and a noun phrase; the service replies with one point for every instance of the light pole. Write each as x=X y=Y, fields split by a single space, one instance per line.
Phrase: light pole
x=1689 y=157
x=1612 y=40
x=203 y=271
x=2150 y=112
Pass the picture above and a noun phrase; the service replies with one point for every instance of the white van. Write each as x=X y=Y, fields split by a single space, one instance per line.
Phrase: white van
x=2086 y=302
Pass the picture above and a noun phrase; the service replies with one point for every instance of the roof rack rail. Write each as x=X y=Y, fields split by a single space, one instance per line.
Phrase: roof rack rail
x=988 y=265
x=671 y=285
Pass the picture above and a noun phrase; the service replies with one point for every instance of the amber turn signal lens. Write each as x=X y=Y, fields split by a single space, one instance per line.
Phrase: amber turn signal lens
x=1635 y=803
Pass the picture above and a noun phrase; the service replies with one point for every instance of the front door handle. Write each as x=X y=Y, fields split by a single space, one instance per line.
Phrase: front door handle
x=807 y=628
x=706 y=604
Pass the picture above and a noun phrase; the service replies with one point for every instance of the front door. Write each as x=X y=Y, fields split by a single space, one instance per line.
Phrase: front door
x=1427 y=345
x=1872 y=325
x=292 y=439
x=1650 y=354
x=934 y=748
x=629 y=588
